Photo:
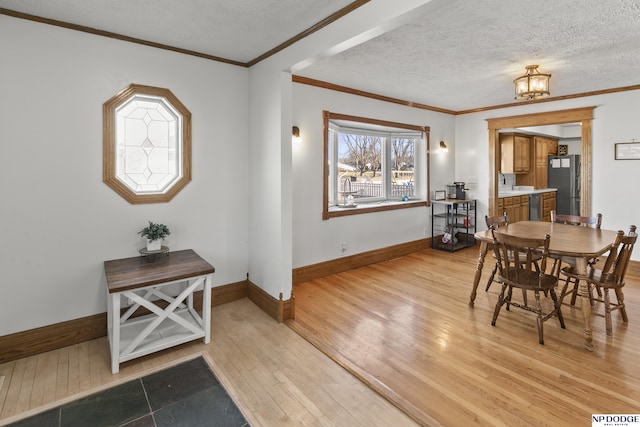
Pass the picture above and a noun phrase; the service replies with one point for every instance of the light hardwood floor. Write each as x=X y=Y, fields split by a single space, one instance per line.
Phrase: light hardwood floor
x=274 y=375
x=404 y=328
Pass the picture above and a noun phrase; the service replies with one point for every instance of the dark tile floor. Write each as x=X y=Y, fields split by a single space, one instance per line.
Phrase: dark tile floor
x=187 y=394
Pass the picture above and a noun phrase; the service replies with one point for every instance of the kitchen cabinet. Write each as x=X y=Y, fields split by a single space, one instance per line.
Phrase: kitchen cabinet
x=544 y=147
x=453 y=224
x=552 y=147
x=523 y=208
x=548 y=205
x=507 y=203
x=541 y=148
x=516 y=207
x=514 y=153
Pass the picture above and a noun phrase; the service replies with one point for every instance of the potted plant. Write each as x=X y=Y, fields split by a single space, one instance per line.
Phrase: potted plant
x=154 y=234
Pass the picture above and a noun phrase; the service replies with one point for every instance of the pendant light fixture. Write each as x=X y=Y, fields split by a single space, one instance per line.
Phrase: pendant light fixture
x=532 y=85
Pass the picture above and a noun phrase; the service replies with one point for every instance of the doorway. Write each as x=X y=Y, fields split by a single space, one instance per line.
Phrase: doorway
x=582 y=115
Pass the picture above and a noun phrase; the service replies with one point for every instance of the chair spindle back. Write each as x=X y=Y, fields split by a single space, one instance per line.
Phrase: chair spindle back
x=521 y=269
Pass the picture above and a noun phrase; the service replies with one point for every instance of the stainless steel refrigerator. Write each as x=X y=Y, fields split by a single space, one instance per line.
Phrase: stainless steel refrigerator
x=564 y=174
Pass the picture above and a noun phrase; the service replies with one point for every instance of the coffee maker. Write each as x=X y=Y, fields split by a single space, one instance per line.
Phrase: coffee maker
x=456 y=191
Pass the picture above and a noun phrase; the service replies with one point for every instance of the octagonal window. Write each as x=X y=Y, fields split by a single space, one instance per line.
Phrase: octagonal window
x=147 y=144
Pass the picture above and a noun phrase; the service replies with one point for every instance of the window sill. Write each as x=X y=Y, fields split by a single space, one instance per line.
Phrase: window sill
x=363 y=208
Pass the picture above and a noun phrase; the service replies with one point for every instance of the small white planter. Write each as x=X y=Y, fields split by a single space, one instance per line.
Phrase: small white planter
x=154 y=245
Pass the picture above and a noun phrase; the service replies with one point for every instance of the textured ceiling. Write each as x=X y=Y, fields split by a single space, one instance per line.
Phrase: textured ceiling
x=238 y=30
x=464 y=54
x=458 y=55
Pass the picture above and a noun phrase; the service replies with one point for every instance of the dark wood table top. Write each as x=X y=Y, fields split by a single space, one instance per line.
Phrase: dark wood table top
x=137 y=272
x=567 y=240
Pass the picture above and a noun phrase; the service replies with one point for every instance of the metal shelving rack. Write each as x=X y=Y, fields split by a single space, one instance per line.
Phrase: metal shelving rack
x=455 y=219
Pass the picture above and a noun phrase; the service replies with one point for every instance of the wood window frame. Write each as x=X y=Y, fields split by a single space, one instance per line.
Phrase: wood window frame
x=110 y=145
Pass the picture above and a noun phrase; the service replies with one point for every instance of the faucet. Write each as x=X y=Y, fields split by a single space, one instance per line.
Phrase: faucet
x=504 y=178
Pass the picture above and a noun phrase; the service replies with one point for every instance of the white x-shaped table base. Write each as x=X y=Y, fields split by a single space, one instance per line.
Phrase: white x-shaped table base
x=180 y=311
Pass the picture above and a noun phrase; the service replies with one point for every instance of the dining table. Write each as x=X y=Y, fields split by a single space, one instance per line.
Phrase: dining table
x=581 y=243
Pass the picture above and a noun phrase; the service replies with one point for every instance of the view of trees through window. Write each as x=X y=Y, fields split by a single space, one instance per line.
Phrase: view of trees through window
x=363 y=166
x=372 y=166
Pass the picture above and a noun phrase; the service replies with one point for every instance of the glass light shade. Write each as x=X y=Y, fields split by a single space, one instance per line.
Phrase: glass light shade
x=532 y=85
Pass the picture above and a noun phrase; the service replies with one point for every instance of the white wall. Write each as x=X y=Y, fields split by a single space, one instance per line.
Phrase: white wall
x=270 y=181
x=315 y=240
x=58 y=220
x=615 y=120
x=270 y=121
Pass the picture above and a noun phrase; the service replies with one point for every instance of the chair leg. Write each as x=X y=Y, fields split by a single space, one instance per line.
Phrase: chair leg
x=508 y=299
x=557 y=305
x=537 y=267
x=620 y=298
x=499 y=304
x=574 y=292
x=493 y=273
x=599 y=292
x=563 y=291
x=539 y=317
x=607 y=312
x=556 y=264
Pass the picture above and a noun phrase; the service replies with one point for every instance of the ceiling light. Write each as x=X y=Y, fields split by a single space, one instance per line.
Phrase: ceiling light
x=533 y=84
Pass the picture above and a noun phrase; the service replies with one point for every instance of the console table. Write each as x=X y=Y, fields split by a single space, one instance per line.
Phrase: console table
x=172 y=319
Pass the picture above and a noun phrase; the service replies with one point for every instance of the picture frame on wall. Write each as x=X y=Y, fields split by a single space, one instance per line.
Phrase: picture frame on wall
x=627 y=151
x=563 y=150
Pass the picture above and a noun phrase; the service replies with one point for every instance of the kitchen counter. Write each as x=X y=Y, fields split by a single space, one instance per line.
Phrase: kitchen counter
x=520 y=191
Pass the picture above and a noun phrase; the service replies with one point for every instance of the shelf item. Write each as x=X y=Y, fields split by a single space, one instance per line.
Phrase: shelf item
x=142 y=285
x=453 y=224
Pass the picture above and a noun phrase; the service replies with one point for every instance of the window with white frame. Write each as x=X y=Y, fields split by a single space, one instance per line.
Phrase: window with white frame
x=373 y=165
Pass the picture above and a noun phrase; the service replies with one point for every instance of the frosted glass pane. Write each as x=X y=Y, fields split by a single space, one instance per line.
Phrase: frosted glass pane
x=148 y=155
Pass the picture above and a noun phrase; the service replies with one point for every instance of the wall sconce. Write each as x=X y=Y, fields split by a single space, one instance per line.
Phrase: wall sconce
x=443 y=147
x=295 y=135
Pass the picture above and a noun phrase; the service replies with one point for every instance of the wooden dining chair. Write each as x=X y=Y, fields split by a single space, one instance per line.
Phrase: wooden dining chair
x=522 y=272
x=495 y=222
x=582 y=221
x=611 y=276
